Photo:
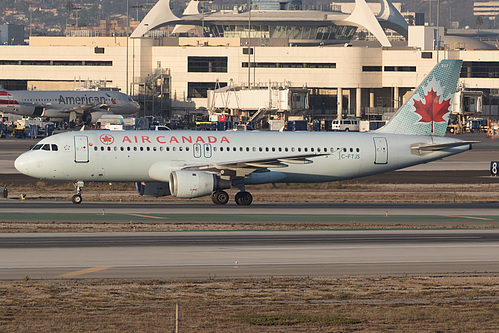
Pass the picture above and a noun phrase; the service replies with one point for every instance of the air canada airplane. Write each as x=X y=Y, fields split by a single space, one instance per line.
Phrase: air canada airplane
x=88 y=105
x=191 y=164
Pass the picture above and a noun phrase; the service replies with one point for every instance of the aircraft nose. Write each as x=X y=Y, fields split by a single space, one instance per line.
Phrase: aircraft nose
x=22 y=163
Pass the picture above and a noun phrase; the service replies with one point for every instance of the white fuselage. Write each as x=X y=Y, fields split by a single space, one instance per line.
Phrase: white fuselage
x=153 y=155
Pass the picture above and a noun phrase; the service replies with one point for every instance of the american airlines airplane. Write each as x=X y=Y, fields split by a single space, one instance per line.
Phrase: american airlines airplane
x=89 y=105
x=191 y=164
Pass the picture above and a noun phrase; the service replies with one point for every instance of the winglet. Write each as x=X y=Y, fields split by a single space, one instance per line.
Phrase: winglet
x=427 y=111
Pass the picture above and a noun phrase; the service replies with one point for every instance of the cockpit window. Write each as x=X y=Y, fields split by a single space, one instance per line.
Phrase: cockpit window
x=46 y=147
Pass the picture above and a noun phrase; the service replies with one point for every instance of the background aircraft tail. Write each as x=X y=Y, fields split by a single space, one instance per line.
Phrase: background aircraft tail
x=427 y=111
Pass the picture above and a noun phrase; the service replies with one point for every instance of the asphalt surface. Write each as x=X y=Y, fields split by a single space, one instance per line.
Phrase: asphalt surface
x=248 y=254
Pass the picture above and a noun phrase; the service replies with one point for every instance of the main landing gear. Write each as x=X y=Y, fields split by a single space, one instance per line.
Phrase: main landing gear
x=76 y=199
x=243 y=198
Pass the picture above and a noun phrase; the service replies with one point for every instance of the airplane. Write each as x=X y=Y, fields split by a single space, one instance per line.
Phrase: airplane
x=192 y=164
x=68 y=105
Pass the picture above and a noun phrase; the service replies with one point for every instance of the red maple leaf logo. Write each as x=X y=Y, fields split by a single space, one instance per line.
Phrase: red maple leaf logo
x=106 y=139
x=432 y=111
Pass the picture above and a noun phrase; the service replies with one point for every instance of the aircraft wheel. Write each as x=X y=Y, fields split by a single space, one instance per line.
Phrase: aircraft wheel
x=220 y=197
x=244 y=198
x=76 y=199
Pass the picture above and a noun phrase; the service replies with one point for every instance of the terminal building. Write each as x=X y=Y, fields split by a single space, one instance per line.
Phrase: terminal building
x=298 y=50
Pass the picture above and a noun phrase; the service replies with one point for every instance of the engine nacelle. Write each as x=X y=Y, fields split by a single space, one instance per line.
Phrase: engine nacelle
x=152 y=189
x=195 y=184
x=93 y=117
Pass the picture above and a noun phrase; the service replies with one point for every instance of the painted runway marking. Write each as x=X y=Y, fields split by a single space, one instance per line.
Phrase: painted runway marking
x=470 y=217
x=84 y=271
x=148 y=216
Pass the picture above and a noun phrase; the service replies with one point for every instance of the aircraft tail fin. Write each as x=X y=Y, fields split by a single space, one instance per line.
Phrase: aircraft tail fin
x=427 y=111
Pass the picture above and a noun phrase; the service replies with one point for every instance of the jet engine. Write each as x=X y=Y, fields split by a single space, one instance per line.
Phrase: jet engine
x=152 y=189
x=93 y=117
x=195 y=184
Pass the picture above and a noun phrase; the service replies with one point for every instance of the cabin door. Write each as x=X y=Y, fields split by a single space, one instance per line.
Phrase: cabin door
x=81 y=149
x=380 y=151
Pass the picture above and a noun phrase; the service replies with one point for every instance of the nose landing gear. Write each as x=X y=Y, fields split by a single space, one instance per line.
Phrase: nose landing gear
x=77 y=199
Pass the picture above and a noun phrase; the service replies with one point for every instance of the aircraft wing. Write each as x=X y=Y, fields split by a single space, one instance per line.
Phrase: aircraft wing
x=78 y=109
x=240 y=169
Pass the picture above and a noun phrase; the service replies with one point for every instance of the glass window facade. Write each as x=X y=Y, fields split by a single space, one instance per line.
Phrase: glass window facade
x=480 y=69
x=371 y=68
x=290 y=65
x=55 y=63
x=327 y=34
x=207 y=64
x=199 y=89
x=400 y=68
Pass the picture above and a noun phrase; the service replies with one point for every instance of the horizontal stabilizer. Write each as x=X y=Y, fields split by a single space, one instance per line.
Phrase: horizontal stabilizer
x=422 y=148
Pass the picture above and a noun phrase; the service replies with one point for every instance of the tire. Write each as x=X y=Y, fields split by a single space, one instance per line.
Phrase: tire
x=76 y=199
x=220 y=197
x=244 y=198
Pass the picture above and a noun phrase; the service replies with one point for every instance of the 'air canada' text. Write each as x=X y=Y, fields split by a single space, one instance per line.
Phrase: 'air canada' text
x=174 y=139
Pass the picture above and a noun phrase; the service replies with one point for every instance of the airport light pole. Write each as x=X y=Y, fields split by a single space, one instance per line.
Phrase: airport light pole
x=249 y=44
x=127 y=34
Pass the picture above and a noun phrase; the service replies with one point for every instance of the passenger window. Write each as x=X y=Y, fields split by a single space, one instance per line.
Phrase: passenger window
x=318 y=150
x=260 y=149
x=299 y=149
x=266 y=149
x=358 y=150
x=95 y=148
x=305 y=149
x=180 y=148
x=351 y=150
x=128 y=148
x=154 y=148
x=286 y=149
x=135 y=148
x=54 y=147
x=280 y=149
x=273 y=148
x=148 y=148
x=234 y=148
x=292 y=149
x=344 y=150
x=186 y=148
x=312 y=150
x=102 y=148
x=247 y=149
x=121 y=148
x=108 y=148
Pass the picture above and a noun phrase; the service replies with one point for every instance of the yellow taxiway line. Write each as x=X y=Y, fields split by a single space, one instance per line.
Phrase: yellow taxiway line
x=84 y=271
x=470 y=217
x=149 y=216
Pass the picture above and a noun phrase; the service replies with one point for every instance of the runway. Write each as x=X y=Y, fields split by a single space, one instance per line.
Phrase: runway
x=313 y=214
x=246 y=254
